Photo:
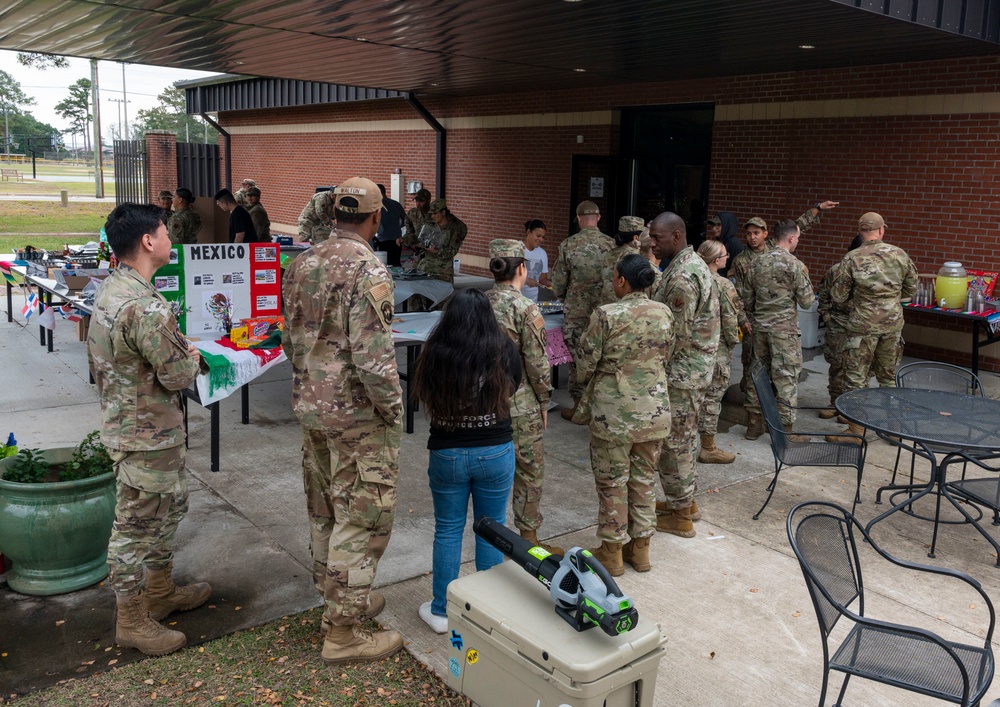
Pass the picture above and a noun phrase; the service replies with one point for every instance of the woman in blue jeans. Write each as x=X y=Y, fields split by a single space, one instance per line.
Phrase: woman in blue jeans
x=465 y=377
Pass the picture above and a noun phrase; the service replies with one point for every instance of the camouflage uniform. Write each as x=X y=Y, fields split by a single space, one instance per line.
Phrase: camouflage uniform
x=441 y=265
x=316 y=219
x=731 y=318
x=241 y=198
x=346 y=394
x=523 y=322
x=415 y=220
x=835 y=317
x=623 y=357
x=687 y=289
x=871 y=281
x=778 y=281
x=261 y=223
x=577 y=280
x=608 y=273
x=140 y=362
x=739 y=271
x=184 y=226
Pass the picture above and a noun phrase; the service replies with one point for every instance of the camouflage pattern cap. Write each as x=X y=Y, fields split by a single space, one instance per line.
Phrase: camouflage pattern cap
x=249 y=183
x=253 y=191
x=870 y=222
x=756 y=221
x=165 y=194
x=437 y=205
x=422 y=195
x=630 y=224
x=506 y=248
x=358 y=196
x=587 y=207
x=715 y=221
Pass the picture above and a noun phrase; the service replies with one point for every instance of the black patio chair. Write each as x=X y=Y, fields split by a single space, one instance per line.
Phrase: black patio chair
x=930 y=375
x=911 y=658
x=808 y=453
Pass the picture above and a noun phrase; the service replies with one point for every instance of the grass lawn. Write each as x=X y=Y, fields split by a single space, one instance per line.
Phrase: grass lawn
x=46 y=217
x=30 y=187
x=275 y=664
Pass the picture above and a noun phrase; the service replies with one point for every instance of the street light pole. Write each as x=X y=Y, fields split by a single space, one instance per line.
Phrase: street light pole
x=125 y=99
x=98 y=148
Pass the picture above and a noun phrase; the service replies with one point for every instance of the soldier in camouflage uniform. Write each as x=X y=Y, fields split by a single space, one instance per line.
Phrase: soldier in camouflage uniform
x=185 y=223
x=439 y=261
x=346 y=394
x=241 y=193
x=731 y=318
x=416 y=218
x=835 y=317
x=778 y=282
x=140 y=363
x=316 y=219
x=739 y=269
x=872 y=281
x=258 y=214
x=626 y=241
x=529 y=405
x=686 y=288
x=623 y=359
x=576 y=280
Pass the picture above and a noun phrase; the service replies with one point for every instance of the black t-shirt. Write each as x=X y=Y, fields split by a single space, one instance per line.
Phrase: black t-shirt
x=241 y=222
x=477 y=430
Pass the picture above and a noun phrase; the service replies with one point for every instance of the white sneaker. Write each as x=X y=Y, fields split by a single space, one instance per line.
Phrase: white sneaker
x=438 y=624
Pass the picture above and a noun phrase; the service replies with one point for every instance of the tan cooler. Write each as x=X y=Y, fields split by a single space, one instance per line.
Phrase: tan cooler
x=510 y=648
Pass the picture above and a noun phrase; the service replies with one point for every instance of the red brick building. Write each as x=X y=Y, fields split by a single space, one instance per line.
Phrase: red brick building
x=916 y=142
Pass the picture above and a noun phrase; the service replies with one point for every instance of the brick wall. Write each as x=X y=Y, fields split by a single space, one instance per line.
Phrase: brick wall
x=916 y=142
x=161 y=162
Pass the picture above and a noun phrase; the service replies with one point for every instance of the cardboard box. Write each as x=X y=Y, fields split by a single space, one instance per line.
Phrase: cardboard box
x=83 y=328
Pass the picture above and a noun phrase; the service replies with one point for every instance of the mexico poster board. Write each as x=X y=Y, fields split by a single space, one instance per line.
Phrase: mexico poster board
x=210 y=286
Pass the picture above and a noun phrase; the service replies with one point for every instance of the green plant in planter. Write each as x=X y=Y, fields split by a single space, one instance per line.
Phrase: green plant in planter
x=27 y=468
x=89 y=459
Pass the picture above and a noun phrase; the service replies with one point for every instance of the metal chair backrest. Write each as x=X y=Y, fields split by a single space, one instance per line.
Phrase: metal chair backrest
x=769 y=407
x=930 y=375
x=823 y=542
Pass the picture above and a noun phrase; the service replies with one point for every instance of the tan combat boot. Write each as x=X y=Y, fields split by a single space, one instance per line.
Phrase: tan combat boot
x=345 y=644
x=677 y=522
x=567 y=413
x=663 y=509
x=376 y=602
x=755 y=426
x=830 y=412
x=532 y=537
x=852 y=428
x=710 y=454
x=636 y=553
x=163 y=597
x=610 y=555
x=794 y=438
x=135 y=629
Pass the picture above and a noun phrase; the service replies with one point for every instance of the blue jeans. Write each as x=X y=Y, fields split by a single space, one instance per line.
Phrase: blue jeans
x=487 y=473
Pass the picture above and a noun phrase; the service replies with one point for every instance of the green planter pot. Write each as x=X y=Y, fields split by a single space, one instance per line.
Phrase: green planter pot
x=56 y=534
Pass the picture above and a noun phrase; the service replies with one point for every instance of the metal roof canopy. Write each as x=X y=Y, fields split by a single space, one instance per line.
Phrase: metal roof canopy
x=463 y=47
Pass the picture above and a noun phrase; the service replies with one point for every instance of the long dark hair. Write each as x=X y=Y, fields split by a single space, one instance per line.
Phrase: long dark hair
x=462 y=369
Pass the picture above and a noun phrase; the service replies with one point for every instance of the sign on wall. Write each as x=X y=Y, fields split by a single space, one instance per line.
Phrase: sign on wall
x=211 y=286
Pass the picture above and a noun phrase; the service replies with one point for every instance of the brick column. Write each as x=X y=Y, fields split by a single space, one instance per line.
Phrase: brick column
x=161 y=162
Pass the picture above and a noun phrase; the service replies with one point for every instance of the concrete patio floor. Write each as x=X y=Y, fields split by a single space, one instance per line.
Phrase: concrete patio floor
x=731 y=602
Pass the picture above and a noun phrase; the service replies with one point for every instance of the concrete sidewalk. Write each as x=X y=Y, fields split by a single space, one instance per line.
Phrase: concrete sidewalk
x=732 y=601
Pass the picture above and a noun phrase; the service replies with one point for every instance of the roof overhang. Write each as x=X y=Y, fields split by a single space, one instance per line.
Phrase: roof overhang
x=456 y=47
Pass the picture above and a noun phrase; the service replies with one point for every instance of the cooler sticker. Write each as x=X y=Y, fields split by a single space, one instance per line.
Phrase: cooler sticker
x=455 y=666
x=456 y=640
x=472 y=657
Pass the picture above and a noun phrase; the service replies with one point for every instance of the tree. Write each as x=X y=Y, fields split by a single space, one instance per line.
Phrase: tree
x=36 y=60
x=76 y=109
x=12 y=99
x=171 y=114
